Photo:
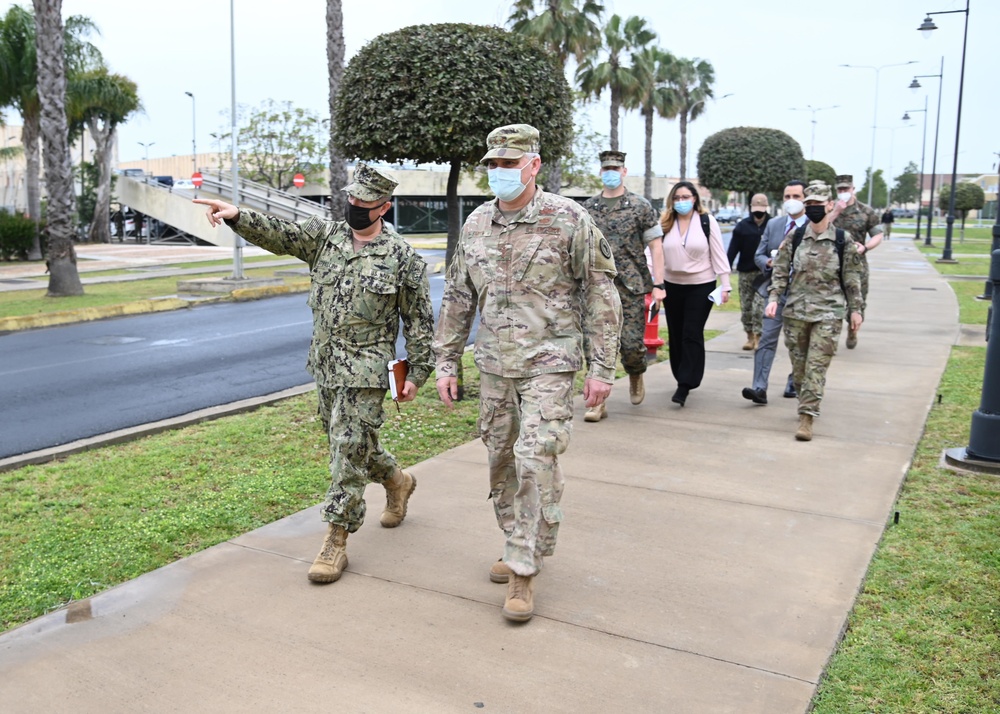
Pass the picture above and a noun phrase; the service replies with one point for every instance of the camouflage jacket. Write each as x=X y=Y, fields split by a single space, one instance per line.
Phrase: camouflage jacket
x=624 y=225
x=357 y=298
x=538 y=281
x=860 y=222
x=814 y=294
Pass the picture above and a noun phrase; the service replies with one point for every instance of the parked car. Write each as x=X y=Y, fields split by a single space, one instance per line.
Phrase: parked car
x=728 y=215
x=904 y=213
x=185 y=184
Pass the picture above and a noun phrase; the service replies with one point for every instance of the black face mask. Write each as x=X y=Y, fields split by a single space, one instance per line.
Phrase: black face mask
x=759 y=214
x=359 y=217
x=816 y=213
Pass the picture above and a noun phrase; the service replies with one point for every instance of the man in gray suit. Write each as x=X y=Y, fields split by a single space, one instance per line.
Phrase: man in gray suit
x=774 y=233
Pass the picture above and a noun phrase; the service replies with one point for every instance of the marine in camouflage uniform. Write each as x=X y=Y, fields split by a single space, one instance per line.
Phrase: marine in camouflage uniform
x=630 y=224
x=359 y=292
x=539 y=276
x=816 y=305
x=864 y=226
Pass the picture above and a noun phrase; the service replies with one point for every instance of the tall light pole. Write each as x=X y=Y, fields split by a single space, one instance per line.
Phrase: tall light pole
x=810 y=108
x=194 y=138
x=691 y=111
x=892 y=145
x=871 y=168
x=926 y=27
x=923 y=151
x=146 y=147
x=915 y=85
x=988 y=290
x=237 y=239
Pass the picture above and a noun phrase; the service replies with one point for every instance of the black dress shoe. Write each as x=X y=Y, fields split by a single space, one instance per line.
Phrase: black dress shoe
x=790 y=392
x=757 y=396
x=680 y=396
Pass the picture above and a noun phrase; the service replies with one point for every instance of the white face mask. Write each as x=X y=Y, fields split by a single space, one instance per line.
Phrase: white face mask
x=793 y=206
x=844 y=196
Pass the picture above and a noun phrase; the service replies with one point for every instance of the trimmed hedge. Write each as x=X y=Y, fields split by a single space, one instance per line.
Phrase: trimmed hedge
x=16 y=234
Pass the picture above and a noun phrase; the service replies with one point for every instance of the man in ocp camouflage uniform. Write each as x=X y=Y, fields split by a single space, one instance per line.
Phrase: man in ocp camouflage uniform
x=629 y=224
x=864 y=225
x=364 y=279
x=540 y=274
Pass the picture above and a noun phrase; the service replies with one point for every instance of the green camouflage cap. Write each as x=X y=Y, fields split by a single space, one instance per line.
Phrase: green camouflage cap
x=511 y=142
x=370 y=184
x=612 y=159
x=817 y=191
x=844 y=180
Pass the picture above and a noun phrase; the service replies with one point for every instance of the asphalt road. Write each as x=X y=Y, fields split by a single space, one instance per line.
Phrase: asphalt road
x=61 y=384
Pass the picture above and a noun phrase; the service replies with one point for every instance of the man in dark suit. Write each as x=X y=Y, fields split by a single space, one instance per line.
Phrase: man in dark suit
x=774 y=233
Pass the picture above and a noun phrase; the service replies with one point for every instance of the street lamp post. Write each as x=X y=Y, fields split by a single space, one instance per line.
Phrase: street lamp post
x=892 y=147
x=988 y=290
x=810 y=108
x=237 y=239
x=146 y=148
x=871 y=169
x=923 y=151
x=194 y=138
x=926 y=27
x=915 y=85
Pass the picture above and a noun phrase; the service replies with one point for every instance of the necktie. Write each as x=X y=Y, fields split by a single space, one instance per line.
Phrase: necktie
x=789 y=227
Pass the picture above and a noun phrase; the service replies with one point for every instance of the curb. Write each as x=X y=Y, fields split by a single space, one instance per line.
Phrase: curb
x=139 y=307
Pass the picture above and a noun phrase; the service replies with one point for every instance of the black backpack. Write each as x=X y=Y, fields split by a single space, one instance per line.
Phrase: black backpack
x=840 y=242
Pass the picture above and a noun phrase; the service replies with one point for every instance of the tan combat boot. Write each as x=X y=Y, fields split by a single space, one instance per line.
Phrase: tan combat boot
x=805 y=432
x=332 y=559
x=397 y=494
x=499 y=572
x=756 y=341
x=748 y=345
x=520 y=603
x=636 y=389
x=596 y=413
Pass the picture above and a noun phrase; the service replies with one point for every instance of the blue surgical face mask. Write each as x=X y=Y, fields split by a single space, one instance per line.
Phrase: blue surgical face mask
x=611 y=179
x=683 y=207
x=506 y=183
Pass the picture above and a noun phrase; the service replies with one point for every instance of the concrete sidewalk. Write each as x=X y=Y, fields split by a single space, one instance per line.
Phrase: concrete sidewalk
x=707 y=563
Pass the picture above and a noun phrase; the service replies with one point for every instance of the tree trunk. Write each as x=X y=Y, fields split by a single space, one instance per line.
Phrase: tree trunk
x=454 y=219
x=553 y=178
x=684 y=143
x=335 y=64
x=615 y=104
x=63 y=276
x=104 y=139
x=32 y=179
x=647 y=188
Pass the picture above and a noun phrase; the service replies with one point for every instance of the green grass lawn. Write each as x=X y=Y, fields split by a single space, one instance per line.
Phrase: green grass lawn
x=967 y=265
x=924 y=635
x=970 y=310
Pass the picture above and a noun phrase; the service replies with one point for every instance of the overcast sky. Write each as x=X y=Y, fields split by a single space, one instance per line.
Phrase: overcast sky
x=771 y=55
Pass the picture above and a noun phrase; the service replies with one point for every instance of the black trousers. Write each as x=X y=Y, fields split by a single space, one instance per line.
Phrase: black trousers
x=687 y=308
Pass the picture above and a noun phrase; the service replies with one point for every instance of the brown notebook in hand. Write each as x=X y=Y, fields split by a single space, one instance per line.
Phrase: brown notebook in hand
x=398 y=369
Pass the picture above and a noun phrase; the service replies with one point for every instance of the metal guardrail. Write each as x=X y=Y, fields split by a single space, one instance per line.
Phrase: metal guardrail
x=264 y=198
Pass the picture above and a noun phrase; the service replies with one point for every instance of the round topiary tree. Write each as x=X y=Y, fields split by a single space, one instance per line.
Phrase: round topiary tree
x=817 y=170
x=968 y=197
x=750 y=159
x=432 y=93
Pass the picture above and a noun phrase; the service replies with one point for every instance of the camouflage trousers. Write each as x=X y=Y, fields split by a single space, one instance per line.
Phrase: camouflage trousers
x=631 y=343
x=865 y=272
x=352 y=418
x=811 y=347
x=526 y=423
x=749 y=315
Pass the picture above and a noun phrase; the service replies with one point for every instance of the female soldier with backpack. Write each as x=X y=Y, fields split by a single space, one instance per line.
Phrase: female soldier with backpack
x=822 y=271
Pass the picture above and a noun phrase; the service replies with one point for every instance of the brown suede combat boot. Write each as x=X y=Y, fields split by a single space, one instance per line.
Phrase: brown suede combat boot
x=499 y=572
x=520 y=603
x=805 y=432
x=636 y=389
x=398 y=490
x=748 y=345
x=332 y=559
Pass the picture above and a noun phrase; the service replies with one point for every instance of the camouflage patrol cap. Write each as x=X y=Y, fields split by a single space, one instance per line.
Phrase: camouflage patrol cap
x=511 y=142
x=370 y=184
x=612 y=159
x=817 y=191
x=844 y=180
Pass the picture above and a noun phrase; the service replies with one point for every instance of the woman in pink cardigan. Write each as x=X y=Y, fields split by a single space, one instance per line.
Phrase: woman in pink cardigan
x=693 y=262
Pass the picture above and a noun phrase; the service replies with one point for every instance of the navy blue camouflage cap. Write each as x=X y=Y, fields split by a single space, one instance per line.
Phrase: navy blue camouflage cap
x=370 y=184
x=511 y=142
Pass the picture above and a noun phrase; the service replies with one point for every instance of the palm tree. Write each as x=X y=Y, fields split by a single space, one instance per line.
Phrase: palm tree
x=622 y=80
x=19 y=89
x=100 y=102
x=335 y=63
x=566 y=28
x=691 y=86
x=61 y=260
x=656 y=99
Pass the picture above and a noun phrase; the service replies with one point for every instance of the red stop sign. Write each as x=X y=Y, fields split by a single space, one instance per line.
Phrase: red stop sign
x=196 y=179
x=299 y=180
